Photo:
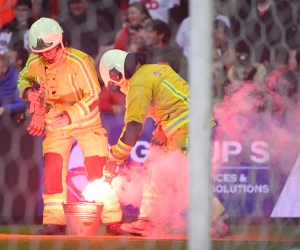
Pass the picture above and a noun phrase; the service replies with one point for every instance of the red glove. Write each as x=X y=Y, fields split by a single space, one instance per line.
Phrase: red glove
x=33 y=96
x=110 y=170
x=37 y=123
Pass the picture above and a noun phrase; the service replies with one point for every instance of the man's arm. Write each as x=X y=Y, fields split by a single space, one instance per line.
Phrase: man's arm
x=27 y=77
x=138 y=103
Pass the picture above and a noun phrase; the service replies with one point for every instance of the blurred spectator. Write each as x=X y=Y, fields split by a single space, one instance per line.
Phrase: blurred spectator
x=219 y=81
x=112 y=102
x=158 y=9
x=7 y=11
x=223 y=47
x=136 y=39
x=10 y=102
x=225 y=20
x=157 y=35
x=289 y=83
x=15 y=33
x=236 y=11
x=112 y=10
x=281 y=64
x=269 y=23
x=288 y=91
x=137 y=15
x=177 y=14
x=48 y=8
x=85 y=29
x=18 y=58
x=245 y=70
x=183 y=36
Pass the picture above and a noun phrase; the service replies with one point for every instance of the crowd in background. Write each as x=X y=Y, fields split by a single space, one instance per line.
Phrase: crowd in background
x=255 y=41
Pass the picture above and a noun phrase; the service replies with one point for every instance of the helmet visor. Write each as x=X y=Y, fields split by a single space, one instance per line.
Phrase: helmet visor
x=115 y=76
x=41 y=45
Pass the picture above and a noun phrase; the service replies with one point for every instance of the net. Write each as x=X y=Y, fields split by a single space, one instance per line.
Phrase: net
x=255 y=159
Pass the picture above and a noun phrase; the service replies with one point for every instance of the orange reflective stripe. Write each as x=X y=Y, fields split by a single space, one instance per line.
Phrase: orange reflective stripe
x=86 y=73
x=53 y=204
x=84 y=109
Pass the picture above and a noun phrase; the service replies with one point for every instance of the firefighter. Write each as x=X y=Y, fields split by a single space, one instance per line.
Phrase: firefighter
x=152 y=90
x=66 y=106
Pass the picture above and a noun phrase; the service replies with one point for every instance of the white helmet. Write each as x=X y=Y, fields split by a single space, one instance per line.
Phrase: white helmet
x=44 y=34
x=112 y=67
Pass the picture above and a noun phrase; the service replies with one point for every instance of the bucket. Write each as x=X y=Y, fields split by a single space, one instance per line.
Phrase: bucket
x=82 y=218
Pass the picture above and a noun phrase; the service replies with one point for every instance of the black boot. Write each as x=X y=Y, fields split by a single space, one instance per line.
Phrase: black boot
x=114 y=229
x=52 y=229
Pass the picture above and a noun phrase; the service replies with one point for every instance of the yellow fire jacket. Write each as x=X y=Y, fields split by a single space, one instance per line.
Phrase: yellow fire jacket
x=70 y=84
x=155 y=91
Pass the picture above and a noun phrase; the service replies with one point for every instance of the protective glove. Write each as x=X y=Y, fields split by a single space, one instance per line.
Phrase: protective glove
x=37 y=123
x=61 y=120
x=110 y=170
x=159 y=138
x=33 y=96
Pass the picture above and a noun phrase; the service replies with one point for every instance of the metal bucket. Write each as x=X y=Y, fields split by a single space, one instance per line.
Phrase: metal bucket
x=82 y=218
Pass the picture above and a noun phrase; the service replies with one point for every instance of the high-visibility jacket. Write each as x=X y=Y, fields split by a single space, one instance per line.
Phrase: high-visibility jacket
x=155 y=91
x=71 y=84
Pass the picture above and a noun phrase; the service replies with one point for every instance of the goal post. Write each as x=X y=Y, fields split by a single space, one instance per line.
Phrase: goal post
x=200 y=77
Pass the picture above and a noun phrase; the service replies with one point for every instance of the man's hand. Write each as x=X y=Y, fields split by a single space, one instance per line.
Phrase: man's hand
x=33 y=96
x=62 y=120
x=109 y=170
x=159 y=138
x=36 y=126
x=37 y=123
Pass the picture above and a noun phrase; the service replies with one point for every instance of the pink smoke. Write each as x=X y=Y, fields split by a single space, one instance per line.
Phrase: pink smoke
x=251 y=112
x=168 y=174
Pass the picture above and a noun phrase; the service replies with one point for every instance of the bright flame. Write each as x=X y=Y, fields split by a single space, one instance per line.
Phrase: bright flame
x=98 y=190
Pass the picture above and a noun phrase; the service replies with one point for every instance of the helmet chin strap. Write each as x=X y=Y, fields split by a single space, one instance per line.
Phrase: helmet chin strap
x=62 y=45
x=124 y=86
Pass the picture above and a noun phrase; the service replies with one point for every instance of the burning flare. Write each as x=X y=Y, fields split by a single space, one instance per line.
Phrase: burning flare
x=99 y=190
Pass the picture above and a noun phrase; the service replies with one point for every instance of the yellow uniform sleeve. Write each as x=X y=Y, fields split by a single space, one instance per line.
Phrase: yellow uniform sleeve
x=28 y=75
x=138 y=102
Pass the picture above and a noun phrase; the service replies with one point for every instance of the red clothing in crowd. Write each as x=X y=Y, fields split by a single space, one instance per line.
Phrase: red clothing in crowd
x=109 y=100
x=122 y=39
x=7 y=12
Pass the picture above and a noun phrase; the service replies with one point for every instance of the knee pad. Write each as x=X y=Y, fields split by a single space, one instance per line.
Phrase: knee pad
x=94 y=167
x=52 y=173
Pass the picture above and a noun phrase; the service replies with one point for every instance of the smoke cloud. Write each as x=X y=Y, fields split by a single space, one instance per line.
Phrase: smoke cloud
x=166 y=178
x=257 y=128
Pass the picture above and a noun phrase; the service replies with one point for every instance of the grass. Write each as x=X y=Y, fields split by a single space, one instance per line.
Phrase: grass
x=277 y=235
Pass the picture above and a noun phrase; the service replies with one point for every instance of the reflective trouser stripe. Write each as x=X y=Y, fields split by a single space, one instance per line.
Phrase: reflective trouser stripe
x=111 y=211
x=174 y=124
x=53 y=212
x=147 y=207
x=185 y=150
x=217 y=209
x=52 y=205
x=213 y=122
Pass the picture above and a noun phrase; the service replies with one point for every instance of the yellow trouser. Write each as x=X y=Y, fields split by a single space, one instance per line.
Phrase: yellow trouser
x=154 y=187
x=56 y=147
